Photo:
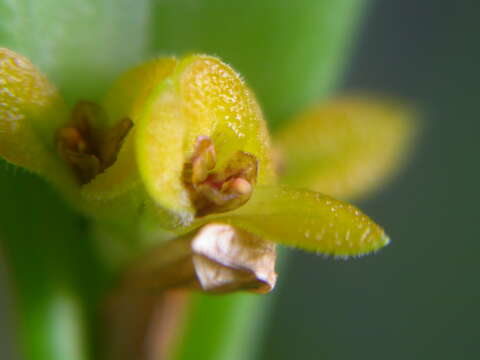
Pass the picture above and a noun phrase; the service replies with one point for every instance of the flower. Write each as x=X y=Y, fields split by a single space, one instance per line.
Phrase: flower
x=178 y=157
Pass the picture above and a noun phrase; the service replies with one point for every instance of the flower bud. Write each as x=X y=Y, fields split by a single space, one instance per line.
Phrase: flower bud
x=31 y=111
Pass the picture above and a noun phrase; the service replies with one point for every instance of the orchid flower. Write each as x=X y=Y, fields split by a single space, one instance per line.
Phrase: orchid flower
x=176 y=167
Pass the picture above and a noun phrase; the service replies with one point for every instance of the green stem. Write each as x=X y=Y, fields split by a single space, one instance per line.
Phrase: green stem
x=45 y=245
x=228 y=324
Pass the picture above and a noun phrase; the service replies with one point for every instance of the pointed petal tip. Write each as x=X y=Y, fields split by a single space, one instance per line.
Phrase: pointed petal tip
x=385 y=240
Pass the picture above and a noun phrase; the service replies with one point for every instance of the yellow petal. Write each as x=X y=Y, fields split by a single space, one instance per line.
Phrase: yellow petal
x=307 y=220
x=118 y=192
x=346 y=147
x=203 y=97
x=129 y=93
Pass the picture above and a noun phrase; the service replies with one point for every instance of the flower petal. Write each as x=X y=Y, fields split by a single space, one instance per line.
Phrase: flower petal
x=129 y=94
x=31 y=111
x=204 y=97
x=118 y=193
x=346 y=147
x=307 y=220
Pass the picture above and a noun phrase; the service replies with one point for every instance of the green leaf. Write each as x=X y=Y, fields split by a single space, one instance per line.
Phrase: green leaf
x=80 y=44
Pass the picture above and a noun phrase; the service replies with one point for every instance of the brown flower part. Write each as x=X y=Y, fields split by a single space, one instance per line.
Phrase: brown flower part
x=213 y=191
x=151 y=300
x=227 y=259
x=87 y=145
x=218 y=258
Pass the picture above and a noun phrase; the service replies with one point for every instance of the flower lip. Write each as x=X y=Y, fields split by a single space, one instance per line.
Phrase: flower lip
x=216 y=191
x=202 y=97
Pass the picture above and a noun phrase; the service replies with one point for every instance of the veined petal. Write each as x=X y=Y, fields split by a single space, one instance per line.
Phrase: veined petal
x=31 y=112
x=307 y=220
x=345 y=147
x=203 y=98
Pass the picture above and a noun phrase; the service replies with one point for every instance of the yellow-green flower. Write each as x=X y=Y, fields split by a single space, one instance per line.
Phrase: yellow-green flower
x=180 y=144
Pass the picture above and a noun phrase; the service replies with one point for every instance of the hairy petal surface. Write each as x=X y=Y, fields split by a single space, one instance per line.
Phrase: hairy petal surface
x=203 y=97
x=308 y=220
x=31 y=111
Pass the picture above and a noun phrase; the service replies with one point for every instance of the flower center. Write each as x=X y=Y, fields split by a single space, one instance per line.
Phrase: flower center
x=215 y=191
x=87 y=145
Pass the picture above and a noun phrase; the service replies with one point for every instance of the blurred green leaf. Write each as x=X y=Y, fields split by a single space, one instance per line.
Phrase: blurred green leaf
x=80 y=44
x=291 y=52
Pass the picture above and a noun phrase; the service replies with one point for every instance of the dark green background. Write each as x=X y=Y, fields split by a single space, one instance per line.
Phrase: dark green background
x=420 y=297
x=417 y=299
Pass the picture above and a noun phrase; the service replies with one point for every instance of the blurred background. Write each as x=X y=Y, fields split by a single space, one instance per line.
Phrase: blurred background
x=419 y=298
